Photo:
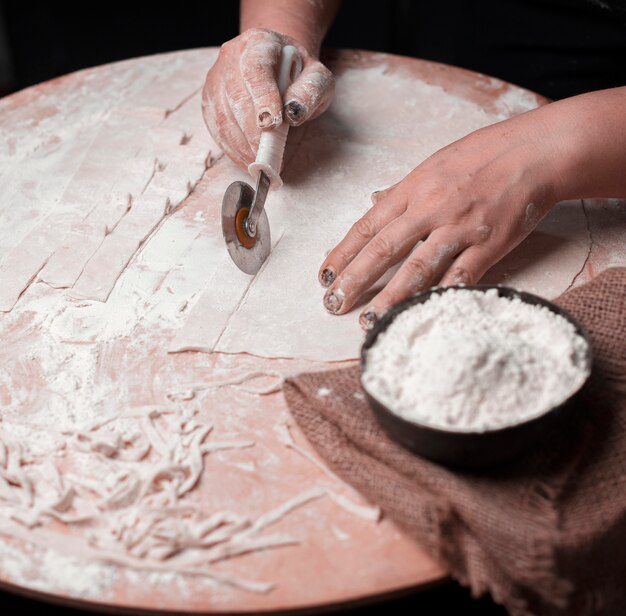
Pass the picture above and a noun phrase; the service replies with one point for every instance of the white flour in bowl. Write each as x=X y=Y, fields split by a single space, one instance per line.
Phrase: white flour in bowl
x=472 y=361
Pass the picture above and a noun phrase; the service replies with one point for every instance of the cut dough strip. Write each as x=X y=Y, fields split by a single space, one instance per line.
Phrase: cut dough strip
x=367 y=512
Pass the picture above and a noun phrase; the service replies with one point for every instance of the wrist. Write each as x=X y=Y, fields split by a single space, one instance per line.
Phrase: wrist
x=534 y=159
x=561 y=128
x=549 y=153
x=588 y=135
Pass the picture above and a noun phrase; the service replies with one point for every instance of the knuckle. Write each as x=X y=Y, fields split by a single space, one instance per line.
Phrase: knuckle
x=322 y=82
x=364 y=229
x=460 y=275
x=418 y=272
x=314 y=83
x=483 y=231
x=256 y=34
x=229 y=45
x=380 y=248
x=250 y=67
x=326 y=78
x=257 y=60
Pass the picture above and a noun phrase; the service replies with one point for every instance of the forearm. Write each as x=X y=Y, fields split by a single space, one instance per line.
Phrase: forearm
x=590 y=144
x=305 y=21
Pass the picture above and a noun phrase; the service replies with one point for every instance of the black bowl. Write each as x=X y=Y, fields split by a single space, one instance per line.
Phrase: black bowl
x=472 y=449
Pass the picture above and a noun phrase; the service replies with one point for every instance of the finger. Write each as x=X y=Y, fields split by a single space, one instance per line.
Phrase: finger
x=242 y=107
x=310 y=94
x=470 y=266
x=225 y=130
x=423 y=268
x=258 y=65
x=361 y=232
x=233 y=135
x=386 y=249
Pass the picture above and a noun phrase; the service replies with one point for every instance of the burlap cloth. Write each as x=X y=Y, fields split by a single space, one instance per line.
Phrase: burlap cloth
x=545 y=534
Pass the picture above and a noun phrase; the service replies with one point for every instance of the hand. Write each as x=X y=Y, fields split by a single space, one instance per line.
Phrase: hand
x=240 y=96
x=452 y=217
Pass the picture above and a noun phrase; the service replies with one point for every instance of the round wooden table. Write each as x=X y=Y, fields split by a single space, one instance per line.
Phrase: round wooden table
x=67 y=142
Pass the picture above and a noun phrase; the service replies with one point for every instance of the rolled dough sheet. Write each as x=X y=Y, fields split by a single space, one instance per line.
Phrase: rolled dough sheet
x=162 y=262
x=355 y=148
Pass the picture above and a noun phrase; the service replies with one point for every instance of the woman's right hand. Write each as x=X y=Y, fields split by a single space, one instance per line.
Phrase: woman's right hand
x=240 y=97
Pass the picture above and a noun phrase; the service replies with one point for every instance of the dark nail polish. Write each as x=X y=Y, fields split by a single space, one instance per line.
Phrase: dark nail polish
x=295 y=110
x=327 y=277
x=265 y=119
x=333 y=300
x=368 y=319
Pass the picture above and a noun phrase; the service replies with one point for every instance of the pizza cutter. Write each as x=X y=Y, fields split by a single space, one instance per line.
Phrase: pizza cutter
x=245 y=226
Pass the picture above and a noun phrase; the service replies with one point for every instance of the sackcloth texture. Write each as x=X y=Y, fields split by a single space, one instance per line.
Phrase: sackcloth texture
x=545 y=533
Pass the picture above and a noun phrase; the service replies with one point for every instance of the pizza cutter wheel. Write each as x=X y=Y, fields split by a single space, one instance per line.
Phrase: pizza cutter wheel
x=245 y=226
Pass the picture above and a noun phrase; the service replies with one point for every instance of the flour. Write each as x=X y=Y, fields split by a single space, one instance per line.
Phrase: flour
x=98 y=423
x=63 y=573
x=129 y=480
x=474 y=361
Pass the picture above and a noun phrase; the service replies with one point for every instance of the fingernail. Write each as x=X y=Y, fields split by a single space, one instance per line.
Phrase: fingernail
x=368 y=319
x=374 y=197
x=333 y=300
x=327 y=277
x=295 y=110
x=265 y=118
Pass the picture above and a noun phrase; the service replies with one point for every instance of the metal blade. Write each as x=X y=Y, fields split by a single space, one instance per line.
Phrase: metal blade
x=248 y=253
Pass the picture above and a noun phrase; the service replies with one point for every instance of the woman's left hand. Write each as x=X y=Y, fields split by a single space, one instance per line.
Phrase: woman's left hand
x=452 y=217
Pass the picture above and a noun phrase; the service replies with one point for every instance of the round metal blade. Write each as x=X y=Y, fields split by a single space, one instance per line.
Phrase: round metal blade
x=240 y=195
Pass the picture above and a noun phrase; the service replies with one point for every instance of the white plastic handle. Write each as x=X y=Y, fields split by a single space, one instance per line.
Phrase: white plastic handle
x=269 y=157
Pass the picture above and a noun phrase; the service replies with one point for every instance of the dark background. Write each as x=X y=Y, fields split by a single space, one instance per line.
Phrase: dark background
x=444 y=599
x=555 y=47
